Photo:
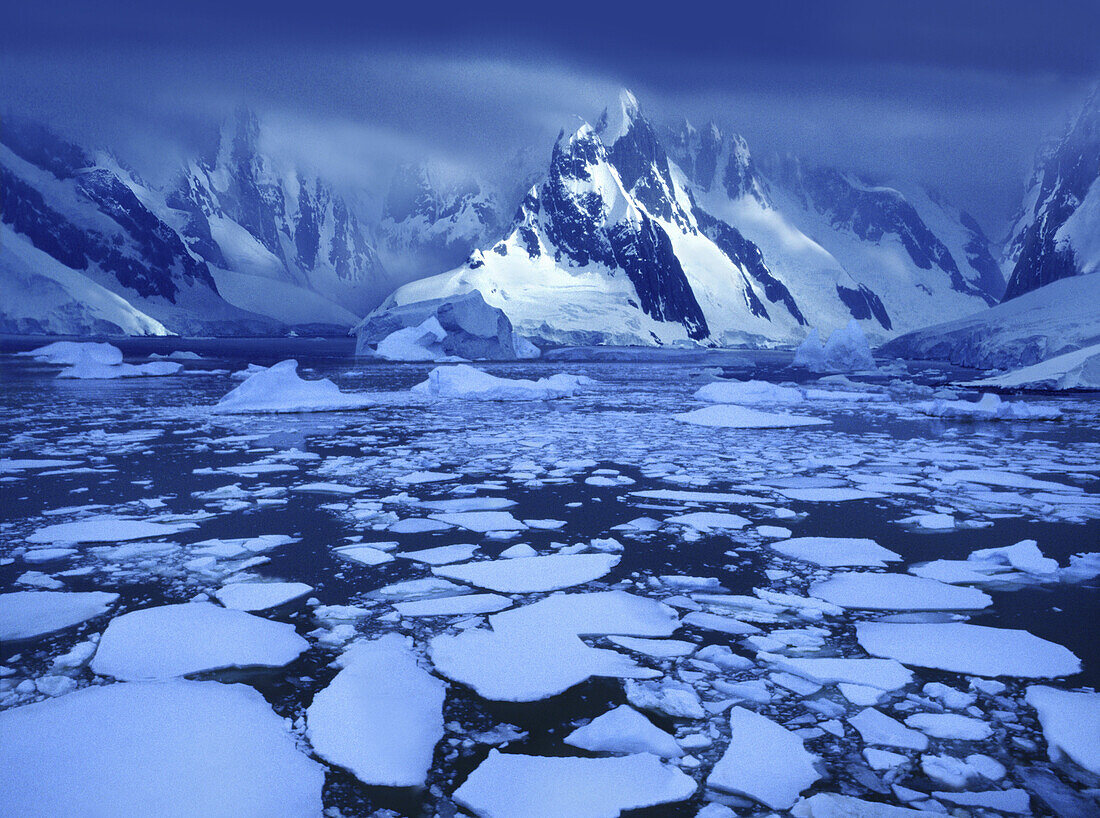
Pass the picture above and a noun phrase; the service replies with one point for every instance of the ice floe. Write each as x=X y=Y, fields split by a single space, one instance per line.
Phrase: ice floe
x=875 y=727
x=507 y=785
x=467 y=383
x=988 y=407
x=624 y=730
x=959 y=647
x=733 y=416
x=763 y=761
x=175 y=748
x=525 y=575
x=177 y=640
x=30 y=614
x=897 y=592
x=279 y=389
x=750 y=392
x=106 y=529
x=381 y=716
x=260 y=596
x=836 y=552
x=1079 y=369
x=1071 y=724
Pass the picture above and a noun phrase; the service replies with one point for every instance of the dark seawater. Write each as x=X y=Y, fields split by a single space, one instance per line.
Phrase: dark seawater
x=623 y=425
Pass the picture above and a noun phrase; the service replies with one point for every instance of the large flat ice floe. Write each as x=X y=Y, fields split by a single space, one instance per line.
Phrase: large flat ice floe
x=260 y=596
x=466 y=382
x=535 y=651
x=897 y=592
x=176 y=640
x=836 y=552
x=168 y=749
x=734 y=416
x=509 y=785
x=834 y=805
x=382 y=715
x=963 y=648
x=1079 y=369
x=279 y=389
x=764 y=761
x=526 y=575
x=748 y=392
x=624 y=730
x=106 y=529
x=67 y=353
x=29 y=614
x=1071 y=724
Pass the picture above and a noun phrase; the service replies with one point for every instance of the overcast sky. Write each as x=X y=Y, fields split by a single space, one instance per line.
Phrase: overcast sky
x=956 y=95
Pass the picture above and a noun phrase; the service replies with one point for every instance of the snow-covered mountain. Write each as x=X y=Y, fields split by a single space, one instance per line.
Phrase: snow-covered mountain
x=624 y=244
x=278 y=239
x=428 y=225
x=82 y=251
x=610 y=248
x=896 y=257
x=1057 y=231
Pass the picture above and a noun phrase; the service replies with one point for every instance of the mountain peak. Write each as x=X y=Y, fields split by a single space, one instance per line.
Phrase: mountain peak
x=617 y=118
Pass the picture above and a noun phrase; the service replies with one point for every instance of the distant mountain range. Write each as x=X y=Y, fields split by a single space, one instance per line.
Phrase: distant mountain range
x=632 y=234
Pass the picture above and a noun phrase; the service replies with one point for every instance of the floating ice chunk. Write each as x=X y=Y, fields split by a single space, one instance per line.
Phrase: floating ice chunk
x=482 y=521
x=106 y=529
x=469 y=504
x=748 y=392
x=846 y=350
x=1015 y=801
x=882 y=674
x=86 y=370
x=834 y=805
x=518 y=550
x=883 y=759
x=733 y=416
x=931 y=522
x=418 y=477
x=329 y=488
x=176 y=640
x=381 y=716
x=67 y=353
x=522 y=786
x=897 y=592
x=169 y=749
x=829 y=495
x=260 y=596
x=963 y=648
x=724 y=658
x=671 y=698
x=721 y=624
x=29 y=614
x=1023 y=556
x=37 y=579
x=989 y=407
x=419 y=343
x=418 y=525
x=363 y=554
x=754 y=690
x=8 y=465
x=442 y=555
x=624 y=730
x=1079 y=369
x=707 y=521
x=40 y=555
x=426 y=588
x=279 y=389
x=950 y=725
x=454 y=606
x=875 y=727
x=1071 y=724
x=836 y=552
x=525 y=575
x=764 y=761
x=678 y=496
x=991 y=477
x=465 y=382
x=533 y=652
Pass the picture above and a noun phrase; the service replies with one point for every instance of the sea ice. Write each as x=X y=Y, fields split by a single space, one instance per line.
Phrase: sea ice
x=363 y=554
x=834 y=805
x=836 y=552
x=897 y=592
x=989 y=407
x=525 y=575
x=1079 y=369
x=829 y=495
x=463 y=605
x=846 y=350
x=624 y=730
x=949 y=725
x=29 y=614
x=259 y=596
x=176 y=640
x=466 y=382
x=441 y=555
x=106 y=529
x=67 y=353
x=963 y=648
x=523 y=786
x=882 y=674
x=764 y=761
x=750 y=392
x=279 y=389
x=733 y=416
x=1071 y=724
x=381 y=716
x=482 y=521
x=176 y=748
x=875 y=727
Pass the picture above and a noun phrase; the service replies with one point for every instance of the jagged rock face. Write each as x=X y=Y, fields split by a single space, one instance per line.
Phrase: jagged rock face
x=427 y=227
x=297 y=218
x=577 y=215
x=712 y=160
x=127 y=240
x=1041 y=249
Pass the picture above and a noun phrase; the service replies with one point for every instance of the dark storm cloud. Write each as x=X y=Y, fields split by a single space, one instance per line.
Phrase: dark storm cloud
x=954 y=94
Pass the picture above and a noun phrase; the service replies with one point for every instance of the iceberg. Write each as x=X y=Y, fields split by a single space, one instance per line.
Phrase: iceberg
x=846 y=350
x=1079 y=369
x=463 y=381
x=69 y=353
x=280 y=389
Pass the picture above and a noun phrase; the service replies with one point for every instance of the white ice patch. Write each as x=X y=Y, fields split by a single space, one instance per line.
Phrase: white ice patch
x=467 y=383
x=176 y=640
x=963 y=648
x=1071 y=724
x=624 y=730
x=522 y=786
x=279 y=389
x=381 y=716
x=106 y=529
x=764 y=761
x=29 y=614
x=525 y=575
x=836 y=552
x=260 y=596
x=989 y=407
x=897 y=592
x=732 y=416
x=174 y=749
